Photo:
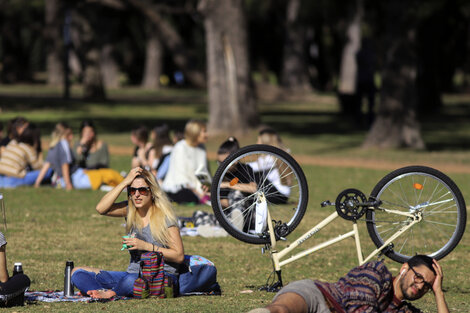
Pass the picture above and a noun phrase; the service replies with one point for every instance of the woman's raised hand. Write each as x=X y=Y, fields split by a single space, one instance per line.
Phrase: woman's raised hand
x=133 y=173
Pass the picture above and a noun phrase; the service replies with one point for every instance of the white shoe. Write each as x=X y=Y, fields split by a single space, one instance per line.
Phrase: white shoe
x=208 y=231
x=236 y=218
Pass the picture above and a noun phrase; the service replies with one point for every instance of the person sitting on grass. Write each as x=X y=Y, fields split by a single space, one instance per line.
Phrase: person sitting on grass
x=231 y=195
x=367 y=288
x=188 y=159
x=70 y=175
x=153 y=225
x=90 y=152
x=21 y=160
x=11 y=288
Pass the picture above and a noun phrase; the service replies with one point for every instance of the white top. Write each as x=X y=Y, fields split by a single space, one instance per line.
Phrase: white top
x=268 y=164
x=185 y=161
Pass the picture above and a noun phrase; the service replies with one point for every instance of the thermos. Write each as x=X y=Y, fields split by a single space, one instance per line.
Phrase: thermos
x=68 y=286
x=18 y=268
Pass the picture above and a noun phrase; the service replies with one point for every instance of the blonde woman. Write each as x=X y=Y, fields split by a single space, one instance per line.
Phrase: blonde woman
x=188 y=160
x=151 y=222
x=69 y=175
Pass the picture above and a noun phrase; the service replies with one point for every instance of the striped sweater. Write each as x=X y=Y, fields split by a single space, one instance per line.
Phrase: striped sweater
x=367 y=288
x=17 y=157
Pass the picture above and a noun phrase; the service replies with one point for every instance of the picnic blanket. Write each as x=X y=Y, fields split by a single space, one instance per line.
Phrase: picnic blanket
x=58 y=296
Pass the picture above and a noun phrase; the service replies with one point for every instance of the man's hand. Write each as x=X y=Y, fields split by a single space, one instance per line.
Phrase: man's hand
x=437 y=289
x=437 y=285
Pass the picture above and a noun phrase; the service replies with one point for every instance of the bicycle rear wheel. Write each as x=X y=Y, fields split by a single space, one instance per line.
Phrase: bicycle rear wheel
x=416 y=189
x=253 y=173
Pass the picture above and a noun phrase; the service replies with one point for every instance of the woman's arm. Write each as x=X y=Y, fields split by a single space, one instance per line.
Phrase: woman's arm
x=42 y=173
x=107 y=205
x=66 y=176
x=174 y=252
x=243 y=187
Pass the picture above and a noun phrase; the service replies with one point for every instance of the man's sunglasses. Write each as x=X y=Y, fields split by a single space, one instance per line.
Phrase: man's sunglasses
x=144 y=191
x=418 y=278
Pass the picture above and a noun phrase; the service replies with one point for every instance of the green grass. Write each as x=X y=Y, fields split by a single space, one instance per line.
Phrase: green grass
x=48 y=226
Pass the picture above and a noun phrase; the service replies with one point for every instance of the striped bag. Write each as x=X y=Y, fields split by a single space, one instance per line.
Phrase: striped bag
x=152 y=281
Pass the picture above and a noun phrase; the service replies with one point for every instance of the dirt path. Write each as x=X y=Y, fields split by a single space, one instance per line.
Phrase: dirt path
x=340 y=162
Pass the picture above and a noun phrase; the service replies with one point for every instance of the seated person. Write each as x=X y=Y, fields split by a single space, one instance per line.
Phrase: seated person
x=69 y=175
x=231 y=194
x=188 y=159
x=159 y=156
x=139 y=138
x=15 y=127
x=367 y=288
x=11 y=288
x=90 y=152
x=21 y=160
x=278 y=188
x=150 y=218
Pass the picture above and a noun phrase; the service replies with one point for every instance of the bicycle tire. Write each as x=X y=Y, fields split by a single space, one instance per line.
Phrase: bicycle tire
x=418 y=188
x=289 y=171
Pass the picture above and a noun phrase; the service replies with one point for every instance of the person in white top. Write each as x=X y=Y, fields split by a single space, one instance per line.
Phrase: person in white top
x=188 y=161
x=279 y=189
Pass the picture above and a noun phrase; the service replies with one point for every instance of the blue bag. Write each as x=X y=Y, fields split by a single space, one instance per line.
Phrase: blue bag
x=199 y=277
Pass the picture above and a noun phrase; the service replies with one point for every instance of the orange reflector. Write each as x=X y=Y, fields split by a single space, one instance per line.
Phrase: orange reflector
x=418 y=186
x=234 y=181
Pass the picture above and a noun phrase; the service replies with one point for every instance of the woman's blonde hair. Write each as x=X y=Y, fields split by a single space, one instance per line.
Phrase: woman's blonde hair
x=192 y=130
x=161 y=212
x=60 y=130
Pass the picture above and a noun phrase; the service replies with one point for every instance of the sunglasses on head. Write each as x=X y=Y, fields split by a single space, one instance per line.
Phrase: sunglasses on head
x=144 y=191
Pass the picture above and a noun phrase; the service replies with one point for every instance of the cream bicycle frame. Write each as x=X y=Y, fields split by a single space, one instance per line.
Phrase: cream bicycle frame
x=277 y=256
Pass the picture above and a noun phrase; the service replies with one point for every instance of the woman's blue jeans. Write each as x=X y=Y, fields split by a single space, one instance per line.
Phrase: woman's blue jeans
x=122 y=283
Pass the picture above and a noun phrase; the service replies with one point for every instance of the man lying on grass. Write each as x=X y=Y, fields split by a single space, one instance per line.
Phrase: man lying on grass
x=367 y=288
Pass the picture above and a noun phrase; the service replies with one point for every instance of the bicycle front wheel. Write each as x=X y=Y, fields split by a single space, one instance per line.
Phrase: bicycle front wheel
x=252 y=181
x=417 y=190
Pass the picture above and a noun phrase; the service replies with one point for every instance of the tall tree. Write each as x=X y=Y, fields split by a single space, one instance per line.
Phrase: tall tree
x=231 y=104
x=172 y=41
x=85 y=16
x=396 y=124
x=294 y=68
x=153 y=59
x=347 y=84
x=53 y=39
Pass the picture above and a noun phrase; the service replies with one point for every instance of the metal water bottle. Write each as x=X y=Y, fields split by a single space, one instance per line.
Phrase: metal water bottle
x=17 y=268
x=68 y=286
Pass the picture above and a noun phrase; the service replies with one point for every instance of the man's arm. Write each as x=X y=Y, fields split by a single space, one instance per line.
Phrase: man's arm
x=437 y=289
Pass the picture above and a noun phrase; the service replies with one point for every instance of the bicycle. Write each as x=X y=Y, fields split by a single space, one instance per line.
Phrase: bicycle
x=259 y=195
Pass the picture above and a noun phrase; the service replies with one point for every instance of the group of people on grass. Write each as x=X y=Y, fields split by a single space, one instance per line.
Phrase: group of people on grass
x=152 y=224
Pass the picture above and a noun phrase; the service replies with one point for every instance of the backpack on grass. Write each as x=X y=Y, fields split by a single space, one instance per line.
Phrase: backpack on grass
x=152 y=281
x=199 y=277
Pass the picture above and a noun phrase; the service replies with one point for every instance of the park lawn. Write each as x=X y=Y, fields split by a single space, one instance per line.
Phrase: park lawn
x=47 y=226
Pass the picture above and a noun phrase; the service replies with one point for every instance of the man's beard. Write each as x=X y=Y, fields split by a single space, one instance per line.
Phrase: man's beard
x=410 y=297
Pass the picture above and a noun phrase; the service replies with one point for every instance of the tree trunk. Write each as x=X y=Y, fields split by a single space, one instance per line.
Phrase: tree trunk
x=153 y=60
x=350 y=103
x=53 y=41
x=84 y=17
x=396 y=125
x=294 y=68
x=173 y=42
x=109 y=67
x=231 y=105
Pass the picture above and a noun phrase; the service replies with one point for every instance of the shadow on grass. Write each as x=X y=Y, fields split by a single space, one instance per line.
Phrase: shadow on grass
x=446 y=130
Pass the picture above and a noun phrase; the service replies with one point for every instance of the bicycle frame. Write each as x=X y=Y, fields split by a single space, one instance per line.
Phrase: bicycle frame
x=277 y=256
